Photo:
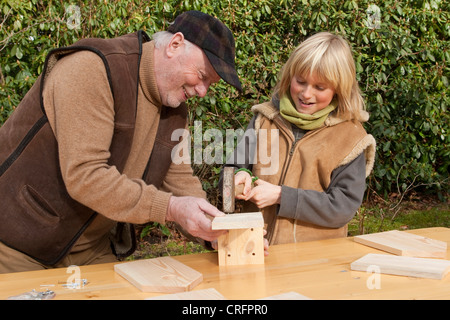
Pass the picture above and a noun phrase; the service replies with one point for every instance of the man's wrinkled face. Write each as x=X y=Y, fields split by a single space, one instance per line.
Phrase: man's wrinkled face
x=188 y=74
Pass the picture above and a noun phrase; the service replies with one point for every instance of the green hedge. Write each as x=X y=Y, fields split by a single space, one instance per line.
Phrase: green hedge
x=402 y=57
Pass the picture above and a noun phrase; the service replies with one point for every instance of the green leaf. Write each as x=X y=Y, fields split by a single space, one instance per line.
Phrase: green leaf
x=165 y=231
x=19 y=53
x=379 y=98
x=379 y=47
x=17 y=25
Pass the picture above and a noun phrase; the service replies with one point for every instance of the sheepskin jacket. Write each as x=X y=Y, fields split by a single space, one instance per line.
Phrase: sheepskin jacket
x=306 y=164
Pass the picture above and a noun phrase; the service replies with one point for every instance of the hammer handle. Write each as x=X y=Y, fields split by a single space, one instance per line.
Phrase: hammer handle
x=239 y=189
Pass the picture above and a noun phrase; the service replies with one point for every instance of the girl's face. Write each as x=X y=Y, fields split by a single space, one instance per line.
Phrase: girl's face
x=309 y=94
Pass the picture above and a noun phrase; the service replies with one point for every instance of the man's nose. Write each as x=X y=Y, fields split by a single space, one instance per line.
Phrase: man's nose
x=201 y=89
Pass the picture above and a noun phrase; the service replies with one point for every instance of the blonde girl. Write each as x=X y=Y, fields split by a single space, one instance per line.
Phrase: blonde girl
x=315 y=180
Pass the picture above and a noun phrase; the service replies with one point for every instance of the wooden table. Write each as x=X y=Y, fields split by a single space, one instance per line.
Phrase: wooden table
x=317 y=269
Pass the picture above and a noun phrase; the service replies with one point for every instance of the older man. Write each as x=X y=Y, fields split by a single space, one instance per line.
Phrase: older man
x=87 y=152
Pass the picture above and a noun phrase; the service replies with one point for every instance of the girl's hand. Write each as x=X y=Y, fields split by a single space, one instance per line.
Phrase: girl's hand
x=264 y=194
x=244 y=178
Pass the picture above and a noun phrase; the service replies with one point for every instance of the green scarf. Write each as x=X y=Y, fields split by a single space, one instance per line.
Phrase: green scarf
x=302 y=120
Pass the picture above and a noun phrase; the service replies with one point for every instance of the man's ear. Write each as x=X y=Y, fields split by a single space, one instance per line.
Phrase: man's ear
x=175 y=44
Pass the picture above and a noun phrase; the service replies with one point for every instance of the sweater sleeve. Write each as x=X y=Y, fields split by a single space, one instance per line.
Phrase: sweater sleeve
x=180 y=172
x=80 y=107
x=333 y=208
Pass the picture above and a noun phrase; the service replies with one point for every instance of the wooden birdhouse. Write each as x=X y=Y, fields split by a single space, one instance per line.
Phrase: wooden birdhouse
x=244 y=242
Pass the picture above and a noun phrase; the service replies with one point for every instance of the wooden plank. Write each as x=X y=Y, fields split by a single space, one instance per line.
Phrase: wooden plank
x=163 y=274
x=205 y=294
x=238 y=221
x=287 y=296
x=403 y=266
x=241 y=247
x=404 y=244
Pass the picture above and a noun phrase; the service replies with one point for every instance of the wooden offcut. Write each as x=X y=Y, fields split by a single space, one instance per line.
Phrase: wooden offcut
x=244 y=242
x=163 y=274
x=238 y=221
x=402 y=266
x=404 y=244
x=205 y=294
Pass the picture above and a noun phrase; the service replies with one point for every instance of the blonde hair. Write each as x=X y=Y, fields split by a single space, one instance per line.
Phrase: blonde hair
x=328 y=57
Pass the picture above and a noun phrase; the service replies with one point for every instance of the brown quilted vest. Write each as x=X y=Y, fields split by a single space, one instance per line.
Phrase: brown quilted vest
x=38 y=217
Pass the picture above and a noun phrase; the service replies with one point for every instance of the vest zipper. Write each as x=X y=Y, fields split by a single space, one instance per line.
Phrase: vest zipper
x=23 y=144
x=288 y=162
x=290 y=154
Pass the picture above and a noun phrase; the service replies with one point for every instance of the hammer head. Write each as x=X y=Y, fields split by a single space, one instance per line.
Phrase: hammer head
x=228 y=190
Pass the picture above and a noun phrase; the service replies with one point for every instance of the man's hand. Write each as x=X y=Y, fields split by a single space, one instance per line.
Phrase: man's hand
x=194 y=215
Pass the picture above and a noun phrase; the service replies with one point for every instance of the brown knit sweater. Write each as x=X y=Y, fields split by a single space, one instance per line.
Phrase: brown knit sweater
x=80 y=109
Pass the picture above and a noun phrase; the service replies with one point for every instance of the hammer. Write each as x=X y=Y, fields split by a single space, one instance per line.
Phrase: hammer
x=230 y=191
